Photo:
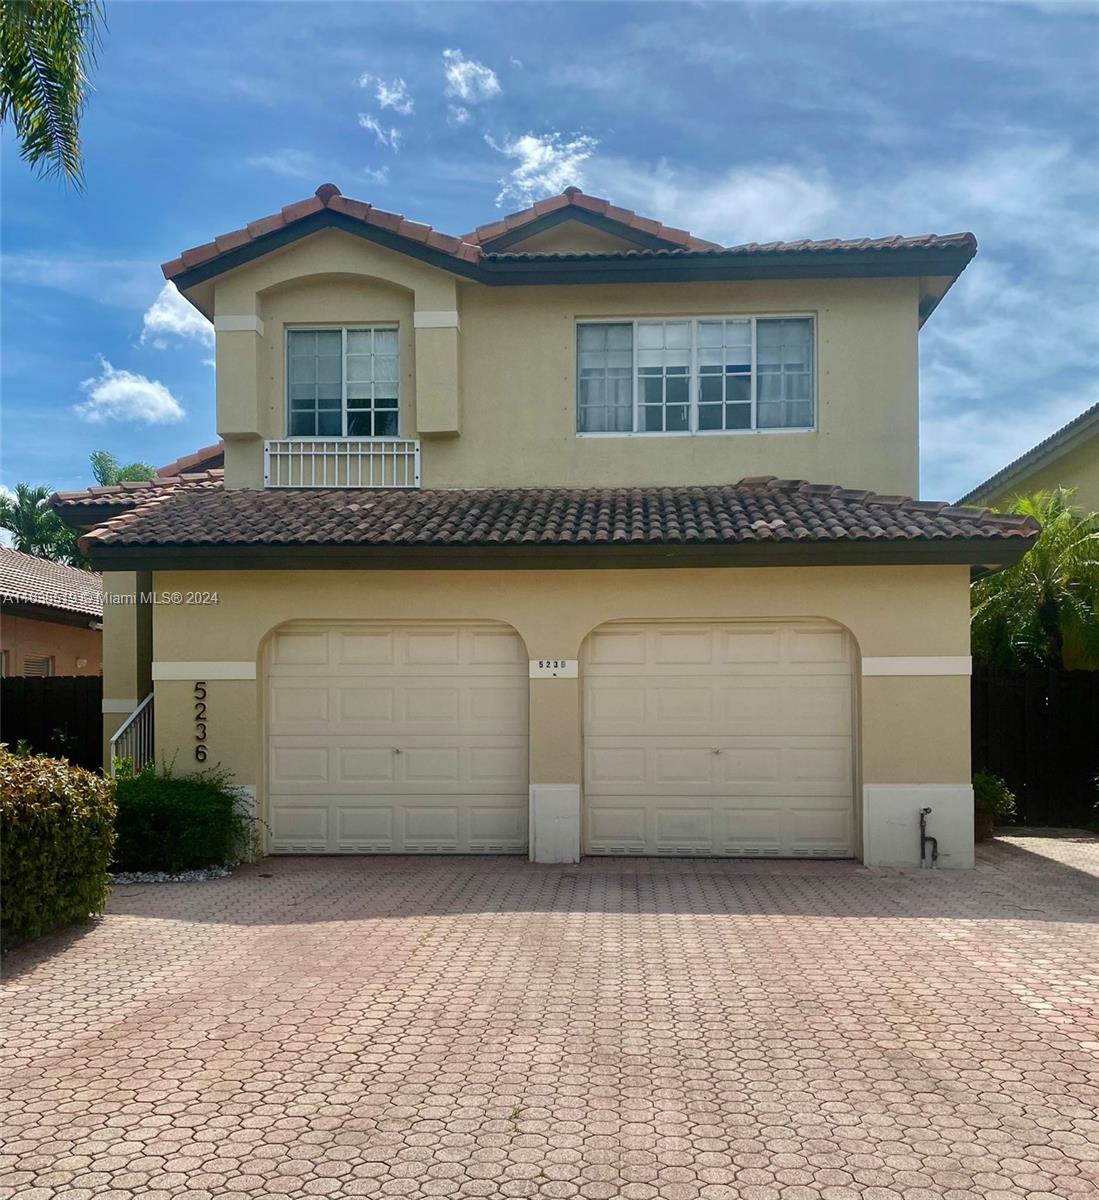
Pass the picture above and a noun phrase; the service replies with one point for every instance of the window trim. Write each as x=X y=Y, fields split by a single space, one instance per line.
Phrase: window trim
x=694 y=319
x=395 y=327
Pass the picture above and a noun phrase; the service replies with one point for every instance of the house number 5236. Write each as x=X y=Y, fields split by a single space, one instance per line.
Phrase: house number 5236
x=200 y=720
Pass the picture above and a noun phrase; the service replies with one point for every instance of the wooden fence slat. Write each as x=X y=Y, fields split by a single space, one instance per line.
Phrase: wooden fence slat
x=1039 y=730
x=33 y=709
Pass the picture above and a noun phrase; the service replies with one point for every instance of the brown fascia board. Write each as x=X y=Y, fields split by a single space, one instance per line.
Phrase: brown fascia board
x=716 y=265
x=985 y=554
x=44 y=612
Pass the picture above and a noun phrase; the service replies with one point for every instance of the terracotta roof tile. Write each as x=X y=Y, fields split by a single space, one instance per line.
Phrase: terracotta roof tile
x=27 y=579
x=127 y=495
x=754 y=510
x=207 y=459
x=470 y=247
x=595 y=204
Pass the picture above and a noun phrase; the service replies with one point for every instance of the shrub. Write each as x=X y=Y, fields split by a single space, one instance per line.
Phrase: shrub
x=174 y=823
x=55 y=847
x=992 y=795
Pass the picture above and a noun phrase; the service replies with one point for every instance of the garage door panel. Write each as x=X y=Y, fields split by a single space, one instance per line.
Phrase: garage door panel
x=407 y=739
x=721 y=739
x=300 y=649
x=300 y=828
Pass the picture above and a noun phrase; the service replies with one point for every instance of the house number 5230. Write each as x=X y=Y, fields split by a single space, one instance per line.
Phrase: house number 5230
x=200 y=720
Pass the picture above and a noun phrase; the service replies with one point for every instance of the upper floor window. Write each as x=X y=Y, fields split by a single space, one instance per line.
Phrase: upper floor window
x=704 y=375
x=343 y=382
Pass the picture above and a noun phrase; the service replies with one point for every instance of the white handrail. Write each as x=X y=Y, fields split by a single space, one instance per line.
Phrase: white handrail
x=133 y=739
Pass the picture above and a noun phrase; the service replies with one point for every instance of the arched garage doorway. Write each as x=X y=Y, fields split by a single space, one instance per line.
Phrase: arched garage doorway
x=396 y=738
x=719 y=738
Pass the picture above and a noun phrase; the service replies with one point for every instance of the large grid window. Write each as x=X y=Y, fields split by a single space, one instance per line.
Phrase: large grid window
x=343 y=382
x=707 y=375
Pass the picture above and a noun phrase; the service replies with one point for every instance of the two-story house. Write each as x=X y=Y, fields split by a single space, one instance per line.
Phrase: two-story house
x=512 y=550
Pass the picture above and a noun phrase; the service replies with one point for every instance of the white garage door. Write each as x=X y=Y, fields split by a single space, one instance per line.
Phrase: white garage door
x=722 y=739
x=397 y=739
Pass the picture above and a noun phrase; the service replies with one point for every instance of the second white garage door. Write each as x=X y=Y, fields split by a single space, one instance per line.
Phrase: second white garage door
x=719 y=739
x=397 y=739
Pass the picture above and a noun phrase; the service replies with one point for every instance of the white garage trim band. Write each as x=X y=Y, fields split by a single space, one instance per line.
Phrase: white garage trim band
x=919 y=664
x=164 y=671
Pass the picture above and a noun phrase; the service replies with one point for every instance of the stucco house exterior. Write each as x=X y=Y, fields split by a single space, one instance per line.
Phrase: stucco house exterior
x=574 y=534
x=51 y=617
x=1068 y=458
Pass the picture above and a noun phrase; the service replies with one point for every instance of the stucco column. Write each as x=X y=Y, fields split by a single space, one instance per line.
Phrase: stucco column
x=437 y=329
x=245 y=405
x=127 y=648
x=555 y=767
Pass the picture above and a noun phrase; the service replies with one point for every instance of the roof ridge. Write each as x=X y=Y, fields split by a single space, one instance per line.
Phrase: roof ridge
x=573 y=197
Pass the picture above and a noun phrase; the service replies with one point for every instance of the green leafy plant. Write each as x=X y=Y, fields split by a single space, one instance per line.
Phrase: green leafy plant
x=108 y=470
x=1044 y=610
x=173 y=823
x=36 y=528
x=55 y=847
x=992 y=795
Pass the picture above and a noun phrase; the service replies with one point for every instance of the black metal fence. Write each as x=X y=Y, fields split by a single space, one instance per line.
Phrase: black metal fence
x=61 y=715
x=1039 y=731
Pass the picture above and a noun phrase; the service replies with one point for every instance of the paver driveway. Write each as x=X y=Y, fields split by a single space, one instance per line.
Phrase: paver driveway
x=472 y=1027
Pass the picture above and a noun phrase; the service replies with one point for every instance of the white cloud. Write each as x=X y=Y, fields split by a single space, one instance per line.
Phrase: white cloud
x=119 y=282
x=390 y=137
x=171 y=316
x=544 y=165
x=1013 y=351
x=392 y=93
x=457 y=114
x=300 y=164
x=116 y=395
x=745 y=204
x=468 y=80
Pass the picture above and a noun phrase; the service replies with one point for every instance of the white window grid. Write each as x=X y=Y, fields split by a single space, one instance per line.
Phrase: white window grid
x=694 y=377
x=367 y=407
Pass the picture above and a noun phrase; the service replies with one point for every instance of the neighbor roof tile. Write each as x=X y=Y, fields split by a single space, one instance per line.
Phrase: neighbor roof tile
x=28 y=579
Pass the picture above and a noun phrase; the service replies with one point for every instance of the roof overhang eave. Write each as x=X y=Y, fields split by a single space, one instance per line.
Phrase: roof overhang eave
x=986 y=554
x=701 y=266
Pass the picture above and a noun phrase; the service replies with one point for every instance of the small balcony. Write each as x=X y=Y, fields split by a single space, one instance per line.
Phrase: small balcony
x=341 y=463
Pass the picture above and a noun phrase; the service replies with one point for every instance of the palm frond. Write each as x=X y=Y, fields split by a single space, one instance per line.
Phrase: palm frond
x=46 y=50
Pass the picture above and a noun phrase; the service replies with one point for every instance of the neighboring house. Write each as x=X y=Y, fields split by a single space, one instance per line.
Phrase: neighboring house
x=511 y=551
x=1068 y=458
x=51 y=617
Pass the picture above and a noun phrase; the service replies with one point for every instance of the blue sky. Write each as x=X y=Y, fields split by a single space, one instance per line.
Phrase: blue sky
x=741 y=122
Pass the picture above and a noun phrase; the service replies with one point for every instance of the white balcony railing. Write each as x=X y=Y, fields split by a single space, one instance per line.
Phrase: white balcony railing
x=132 y=742
x=342 y=463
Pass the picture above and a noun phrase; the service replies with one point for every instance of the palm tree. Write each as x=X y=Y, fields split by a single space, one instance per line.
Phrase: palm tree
x=36 y=528
x=107 y=469
x=1043 y=611
x=46 y=48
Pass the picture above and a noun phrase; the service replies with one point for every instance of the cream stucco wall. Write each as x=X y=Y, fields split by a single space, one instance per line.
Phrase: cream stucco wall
x=504 y=379
x=914 y=731
x=1077 y=468
x=75 y=649
x=127 y=647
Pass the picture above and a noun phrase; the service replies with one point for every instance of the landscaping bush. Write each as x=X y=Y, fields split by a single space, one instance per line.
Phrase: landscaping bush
x=55 y=844
x=175 y=823
x=992 y=795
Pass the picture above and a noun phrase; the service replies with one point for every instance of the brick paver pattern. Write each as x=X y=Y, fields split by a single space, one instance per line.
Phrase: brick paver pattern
x=488 y=1027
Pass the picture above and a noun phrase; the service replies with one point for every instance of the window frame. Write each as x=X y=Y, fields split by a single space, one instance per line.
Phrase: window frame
x=694 y=386
x=344 y=330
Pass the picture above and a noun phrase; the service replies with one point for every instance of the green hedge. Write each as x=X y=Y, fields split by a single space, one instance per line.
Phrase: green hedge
x=174 y=823
x=55 y=844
